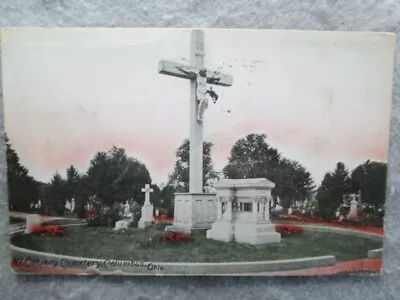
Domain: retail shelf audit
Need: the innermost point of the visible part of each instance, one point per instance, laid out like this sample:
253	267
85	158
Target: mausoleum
243	212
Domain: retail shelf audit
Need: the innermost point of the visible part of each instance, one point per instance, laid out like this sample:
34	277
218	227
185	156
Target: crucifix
199	77
147	190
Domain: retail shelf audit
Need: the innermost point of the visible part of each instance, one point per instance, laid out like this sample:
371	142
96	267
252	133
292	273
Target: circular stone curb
63	262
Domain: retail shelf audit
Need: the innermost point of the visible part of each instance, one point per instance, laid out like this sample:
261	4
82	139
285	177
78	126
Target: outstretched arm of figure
190	73
213	80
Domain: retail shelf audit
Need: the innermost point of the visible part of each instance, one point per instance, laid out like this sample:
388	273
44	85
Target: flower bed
48	230
288	229
356	224
175	237
308	219
90	215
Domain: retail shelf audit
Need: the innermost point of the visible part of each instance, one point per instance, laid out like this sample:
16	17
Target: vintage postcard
196	151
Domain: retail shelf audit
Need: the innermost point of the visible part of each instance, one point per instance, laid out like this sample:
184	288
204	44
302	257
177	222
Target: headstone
32	220
251	224
157	212
73	204
353	208
147	208
121	225
290	211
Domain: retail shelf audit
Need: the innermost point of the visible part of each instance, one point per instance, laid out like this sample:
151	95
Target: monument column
266	208
196	202
219	208
229	209
262	210
196	128
255	208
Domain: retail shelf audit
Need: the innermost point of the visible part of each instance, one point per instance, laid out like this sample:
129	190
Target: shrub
305	219
91	214
49	230
106	220
286	229
175	237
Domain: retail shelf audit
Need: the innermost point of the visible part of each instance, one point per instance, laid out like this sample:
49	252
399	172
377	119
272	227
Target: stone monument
243	212
147	208
127	214
31	221
121	225
73	204
353	213
195	209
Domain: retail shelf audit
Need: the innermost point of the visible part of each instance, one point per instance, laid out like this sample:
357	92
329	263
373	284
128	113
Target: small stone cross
147	190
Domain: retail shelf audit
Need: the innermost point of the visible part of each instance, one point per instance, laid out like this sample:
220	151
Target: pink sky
319	97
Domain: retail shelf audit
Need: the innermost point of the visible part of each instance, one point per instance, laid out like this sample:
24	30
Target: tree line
113	178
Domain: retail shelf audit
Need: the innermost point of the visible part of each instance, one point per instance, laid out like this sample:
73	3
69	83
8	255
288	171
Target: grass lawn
138	244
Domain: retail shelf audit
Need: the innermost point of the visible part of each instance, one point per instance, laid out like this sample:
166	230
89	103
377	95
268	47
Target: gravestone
147	208
121	225
249	223
68	205
73	204
353	208
31	221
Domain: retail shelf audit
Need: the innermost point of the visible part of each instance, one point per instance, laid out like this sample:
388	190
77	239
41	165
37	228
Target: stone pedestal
243	212
255	234
121	225
147	216
31	221
193	211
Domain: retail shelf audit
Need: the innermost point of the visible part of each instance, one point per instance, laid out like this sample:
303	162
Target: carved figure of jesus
201	91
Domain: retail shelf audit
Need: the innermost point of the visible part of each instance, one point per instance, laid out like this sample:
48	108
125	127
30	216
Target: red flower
48	230
175	236
286	229
90	215
304	219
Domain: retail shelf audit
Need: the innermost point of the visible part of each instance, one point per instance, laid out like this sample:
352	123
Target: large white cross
196	128
147	190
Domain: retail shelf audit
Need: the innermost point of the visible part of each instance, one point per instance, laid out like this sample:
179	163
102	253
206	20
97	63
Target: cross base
193	211
147	216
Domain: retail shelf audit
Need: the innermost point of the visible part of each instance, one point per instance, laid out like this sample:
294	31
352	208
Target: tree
82	195
167	199
252	157
332	190
72	182
23	189
369	178
57	194
114	177
179	179
155	196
